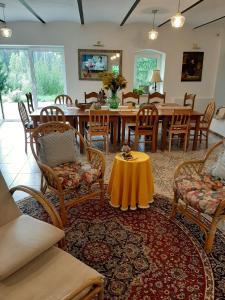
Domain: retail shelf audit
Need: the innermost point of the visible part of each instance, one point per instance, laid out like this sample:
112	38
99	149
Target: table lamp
156	77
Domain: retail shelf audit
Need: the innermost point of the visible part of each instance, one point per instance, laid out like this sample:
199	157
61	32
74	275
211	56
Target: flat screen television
94	63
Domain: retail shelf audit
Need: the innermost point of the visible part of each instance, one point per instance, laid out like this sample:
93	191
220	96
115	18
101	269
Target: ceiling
112	10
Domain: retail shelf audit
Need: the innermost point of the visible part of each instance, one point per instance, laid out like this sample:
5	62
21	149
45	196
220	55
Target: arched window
145	62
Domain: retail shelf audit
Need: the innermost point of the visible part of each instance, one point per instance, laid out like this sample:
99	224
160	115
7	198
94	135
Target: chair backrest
208	114
99	121
147	118
30	105
23	113
134	97
52	113
91	96
161	98
180	119
189	100
8	208
50	127
63	99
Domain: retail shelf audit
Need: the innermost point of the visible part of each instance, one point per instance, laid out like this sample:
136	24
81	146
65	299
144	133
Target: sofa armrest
39	197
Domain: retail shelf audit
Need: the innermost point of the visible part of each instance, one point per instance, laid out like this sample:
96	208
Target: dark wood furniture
146	125
179	126
63	99
30	105
28	125
189	100
161	98
92	95
134	98
52	113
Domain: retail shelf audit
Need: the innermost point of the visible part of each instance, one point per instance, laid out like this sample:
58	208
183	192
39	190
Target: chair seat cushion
203	192
75	174
53	275
23	239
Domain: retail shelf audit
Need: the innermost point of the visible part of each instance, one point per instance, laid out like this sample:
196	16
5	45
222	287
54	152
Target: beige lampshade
156	76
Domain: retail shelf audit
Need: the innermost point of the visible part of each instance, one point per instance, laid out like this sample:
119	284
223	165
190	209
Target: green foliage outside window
144	67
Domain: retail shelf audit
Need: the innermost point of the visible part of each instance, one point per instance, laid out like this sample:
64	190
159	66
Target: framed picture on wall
92	62
192	66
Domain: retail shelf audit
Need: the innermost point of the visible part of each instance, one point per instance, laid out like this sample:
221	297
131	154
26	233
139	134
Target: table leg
115	133
123	120
197	125
81	128
165	122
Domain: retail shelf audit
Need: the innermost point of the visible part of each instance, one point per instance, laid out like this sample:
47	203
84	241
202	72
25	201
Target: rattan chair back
156	97
91	95
189	100
208	114
30	105
133	98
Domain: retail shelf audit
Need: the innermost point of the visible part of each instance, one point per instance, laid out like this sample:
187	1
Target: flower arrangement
113	81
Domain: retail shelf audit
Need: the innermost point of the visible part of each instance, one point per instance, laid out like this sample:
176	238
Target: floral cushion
74	174
203	192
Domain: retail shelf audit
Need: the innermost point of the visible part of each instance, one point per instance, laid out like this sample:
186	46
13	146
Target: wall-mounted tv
94	63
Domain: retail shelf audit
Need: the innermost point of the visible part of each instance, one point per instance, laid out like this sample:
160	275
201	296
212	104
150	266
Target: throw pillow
57	148
218	169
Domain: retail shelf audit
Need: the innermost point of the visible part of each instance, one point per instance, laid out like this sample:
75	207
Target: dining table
119	118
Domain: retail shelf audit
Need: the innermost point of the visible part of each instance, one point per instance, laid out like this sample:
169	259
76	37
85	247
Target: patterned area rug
143	254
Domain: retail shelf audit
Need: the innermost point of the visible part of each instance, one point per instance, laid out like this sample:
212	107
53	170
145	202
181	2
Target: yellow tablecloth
131	182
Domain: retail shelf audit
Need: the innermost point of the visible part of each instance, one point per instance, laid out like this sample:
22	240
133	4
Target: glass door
49	73
15	80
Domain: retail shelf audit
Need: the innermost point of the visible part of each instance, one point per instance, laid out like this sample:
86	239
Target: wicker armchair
64	179
201	193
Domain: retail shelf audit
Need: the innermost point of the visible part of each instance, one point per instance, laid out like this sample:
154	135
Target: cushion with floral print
74	174
205	201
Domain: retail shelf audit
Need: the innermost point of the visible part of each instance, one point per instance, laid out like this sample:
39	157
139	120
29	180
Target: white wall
129	38
220	82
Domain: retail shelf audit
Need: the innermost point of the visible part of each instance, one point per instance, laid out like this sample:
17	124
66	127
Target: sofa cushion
53	275
23	239
57	148
203	192
72	175
205	201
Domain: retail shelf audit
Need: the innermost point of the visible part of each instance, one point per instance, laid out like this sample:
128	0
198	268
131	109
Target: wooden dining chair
156	97
146	125
99	126
52	113
30	105
179	126
205	123
92	95
189	100
63	99
28	125
134	98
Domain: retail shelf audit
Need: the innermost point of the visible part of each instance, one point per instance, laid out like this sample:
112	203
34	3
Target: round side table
131	182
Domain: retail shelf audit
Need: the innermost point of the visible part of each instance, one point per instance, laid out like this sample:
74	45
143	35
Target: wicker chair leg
207	140
63	212
185	142
106	144
170	141
128	137
211	236
174	205
136	141
101	191
101	294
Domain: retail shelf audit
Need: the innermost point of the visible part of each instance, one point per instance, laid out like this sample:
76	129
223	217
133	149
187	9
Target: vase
114	100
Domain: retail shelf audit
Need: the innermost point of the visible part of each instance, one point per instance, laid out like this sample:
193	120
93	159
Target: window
30	69
145	62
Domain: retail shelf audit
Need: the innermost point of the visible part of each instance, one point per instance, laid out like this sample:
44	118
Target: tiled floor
19	168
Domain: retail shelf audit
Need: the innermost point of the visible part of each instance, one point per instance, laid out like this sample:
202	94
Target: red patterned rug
143	254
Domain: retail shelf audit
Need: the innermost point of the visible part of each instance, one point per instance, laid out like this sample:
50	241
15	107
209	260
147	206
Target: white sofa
32	267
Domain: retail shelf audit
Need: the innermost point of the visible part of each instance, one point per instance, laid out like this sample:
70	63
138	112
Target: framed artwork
192	66
92	62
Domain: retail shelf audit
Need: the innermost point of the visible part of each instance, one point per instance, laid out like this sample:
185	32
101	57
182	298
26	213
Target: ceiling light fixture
178	20
153	34
5	31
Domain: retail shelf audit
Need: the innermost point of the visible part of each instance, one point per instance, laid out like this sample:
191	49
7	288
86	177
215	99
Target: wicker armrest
189	168
48	207
97	159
